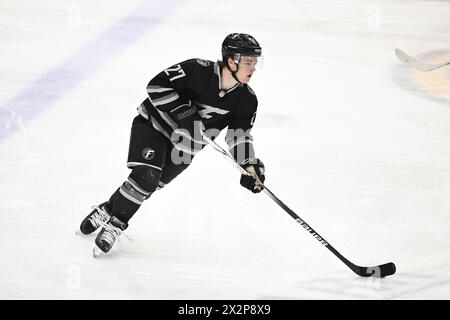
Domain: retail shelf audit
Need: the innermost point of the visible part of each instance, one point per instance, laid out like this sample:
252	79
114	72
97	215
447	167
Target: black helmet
240	44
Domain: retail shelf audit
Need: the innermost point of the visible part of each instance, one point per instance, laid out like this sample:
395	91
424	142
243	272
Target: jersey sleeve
170	90
238	137
170	94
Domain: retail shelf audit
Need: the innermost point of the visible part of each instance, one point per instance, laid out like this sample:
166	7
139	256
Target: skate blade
81	235
96	251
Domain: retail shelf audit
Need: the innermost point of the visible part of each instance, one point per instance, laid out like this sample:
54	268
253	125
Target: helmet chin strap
233	73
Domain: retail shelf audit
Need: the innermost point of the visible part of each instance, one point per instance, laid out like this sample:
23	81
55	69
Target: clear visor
249	61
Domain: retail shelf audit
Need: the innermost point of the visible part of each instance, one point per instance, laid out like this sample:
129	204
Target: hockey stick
417	64
379	271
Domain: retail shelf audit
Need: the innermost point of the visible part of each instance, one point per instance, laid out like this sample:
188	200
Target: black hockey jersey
190	91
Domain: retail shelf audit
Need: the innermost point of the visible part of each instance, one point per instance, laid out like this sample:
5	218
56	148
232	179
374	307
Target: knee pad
141	183
144	179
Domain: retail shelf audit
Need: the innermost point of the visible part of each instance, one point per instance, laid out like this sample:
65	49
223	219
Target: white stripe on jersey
142	111
165	100
207	109
167	119
158	89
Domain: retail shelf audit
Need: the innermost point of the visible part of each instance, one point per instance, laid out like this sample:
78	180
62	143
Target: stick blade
381	271
402	56
96	251
414	63
386	269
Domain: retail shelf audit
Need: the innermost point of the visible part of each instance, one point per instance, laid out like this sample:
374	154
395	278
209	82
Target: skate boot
98	217
109	234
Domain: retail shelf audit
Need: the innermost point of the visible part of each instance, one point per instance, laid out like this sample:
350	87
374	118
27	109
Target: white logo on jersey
203	62
206	111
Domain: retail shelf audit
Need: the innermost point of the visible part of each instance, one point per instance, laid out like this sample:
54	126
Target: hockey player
185	101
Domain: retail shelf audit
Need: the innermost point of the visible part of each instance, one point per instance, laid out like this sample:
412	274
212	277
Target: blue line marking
52	86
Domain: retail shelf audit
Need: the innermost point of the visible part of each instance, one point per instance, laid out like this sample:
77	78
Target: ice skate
94	220
108	235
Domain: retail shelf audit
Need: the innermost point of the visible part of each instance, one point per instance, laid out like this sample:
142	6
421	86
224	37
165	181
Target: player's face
247	65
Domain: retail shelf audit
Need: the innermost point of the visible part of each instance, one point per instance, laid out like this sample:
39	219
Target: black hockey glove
250	182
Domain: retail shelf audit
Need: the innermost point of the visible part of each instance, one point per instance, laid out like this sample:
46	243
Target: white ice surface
354	142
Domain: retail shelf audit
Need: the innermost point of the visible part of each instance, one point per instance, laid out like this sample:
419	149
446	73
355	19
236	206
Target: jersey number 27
176	71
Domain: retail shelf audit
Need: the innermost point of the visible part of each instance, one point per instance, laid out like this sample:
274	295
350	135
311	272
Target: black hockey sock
126	201
139	186
113	198
124	209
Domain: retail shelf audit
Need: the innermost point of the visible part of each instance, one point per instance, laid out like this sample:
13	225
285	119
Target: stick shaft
271	195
